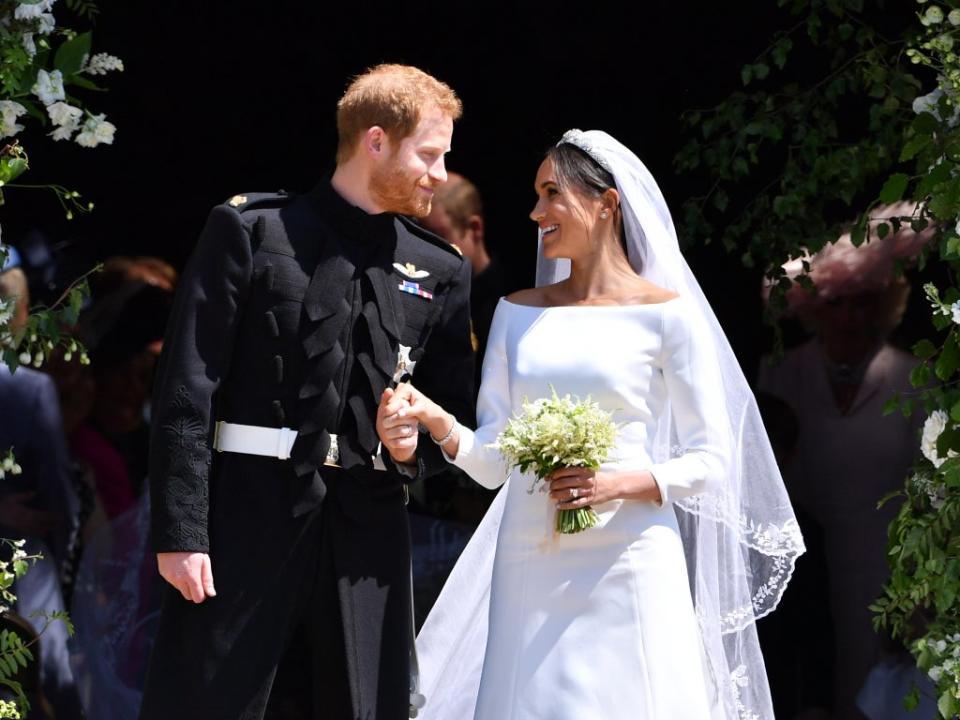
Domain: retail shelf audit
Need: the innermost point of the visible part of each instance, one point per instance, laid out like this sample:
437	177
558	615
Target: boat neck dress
599	624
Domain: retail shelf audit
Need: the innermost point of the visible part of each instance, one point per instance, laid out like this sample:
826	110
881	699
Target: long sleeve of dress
695	393
474	456
196	359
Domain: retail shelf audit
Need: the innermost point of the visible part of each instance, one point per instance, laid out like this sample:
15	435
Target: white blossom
66	118
47	24
928	103
25	358
9	112
933	426
935	491
7	308
935	673
29	45
31	11
940	646
933	16
954	17
955	312
49	87
62	113
96	131
102	63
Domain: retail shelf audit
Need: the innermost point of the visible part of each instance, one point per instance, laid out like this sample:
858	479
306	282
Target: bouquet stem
574	521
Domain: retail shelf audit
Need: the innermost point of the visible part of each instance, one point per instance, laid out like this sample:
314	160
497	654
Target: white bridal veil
741	539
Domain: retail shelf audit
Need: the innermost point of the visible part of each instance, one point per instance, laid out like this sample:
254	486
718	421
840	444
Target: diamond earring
603	215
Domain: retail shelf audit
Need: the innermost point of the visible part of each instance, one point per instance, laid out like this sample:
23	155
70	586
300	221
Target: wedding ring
574	493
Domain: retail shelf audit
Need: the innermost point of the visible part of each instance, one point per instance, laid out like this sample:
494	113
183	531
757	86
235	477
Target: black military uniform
292	313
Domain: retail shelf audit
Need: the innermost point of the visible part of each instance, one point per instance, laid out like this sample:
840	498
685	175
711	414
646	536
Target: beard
397	192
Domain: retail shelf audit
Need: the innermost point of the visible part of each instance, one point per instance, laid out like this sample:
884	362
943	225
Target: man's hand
396	428
189	572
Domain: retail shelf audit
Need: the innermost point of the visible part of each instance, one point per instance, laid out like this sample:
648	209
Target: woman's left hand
575	487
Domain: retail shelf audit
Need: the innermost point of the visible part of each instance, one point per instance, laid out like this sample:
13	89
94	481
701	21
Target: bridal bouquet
557	432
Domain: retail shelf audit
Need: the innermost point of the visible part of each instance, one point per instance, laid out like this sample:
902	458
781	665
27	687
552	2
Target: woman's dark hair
577	170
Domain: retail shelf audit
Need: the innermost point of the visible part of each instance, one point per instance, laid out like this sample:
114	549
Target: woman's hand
572	488
576	487
408	404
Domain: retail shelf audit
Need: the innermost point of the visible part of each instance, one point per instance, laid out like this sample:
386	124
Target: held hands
189	572
396	425
401	411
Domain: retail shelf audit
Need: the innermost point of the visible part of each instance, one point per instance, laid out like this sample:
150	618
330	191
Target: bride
650	614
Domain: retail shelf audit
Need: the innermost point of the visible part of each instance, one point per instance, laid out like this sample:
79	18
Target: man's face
405	178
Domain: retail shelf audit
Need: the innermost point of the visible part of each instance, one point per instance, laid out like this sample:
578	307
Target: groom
274	509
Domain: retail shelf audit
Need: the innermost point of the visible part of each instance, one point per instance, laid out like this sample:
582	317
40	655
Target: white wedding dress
600	624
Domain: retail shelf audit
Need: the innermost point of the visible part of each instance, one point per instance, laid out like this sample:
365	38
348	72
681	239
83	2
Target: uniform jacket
290	314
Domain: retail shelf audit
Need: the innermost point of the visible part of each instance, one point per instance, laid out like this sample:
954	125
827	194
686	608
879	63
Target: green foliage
38	63
788	163
778	161
47	329
40	66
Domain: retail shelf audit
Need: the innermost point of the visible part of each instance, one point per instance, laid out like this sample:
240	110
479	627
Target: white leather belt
265	441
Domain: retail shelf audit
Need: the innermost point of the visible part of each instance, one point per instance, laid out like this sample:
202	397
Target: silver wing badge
410	270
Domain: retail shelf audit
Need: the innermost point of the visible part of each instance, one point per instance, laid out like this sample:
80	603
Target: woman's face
566	217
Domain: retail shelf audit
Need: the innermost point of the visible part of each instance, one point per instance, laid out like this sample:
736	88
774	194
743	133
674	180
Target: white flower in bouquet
558	432
933	426
9	112
29	45
96	130
49	87
102	63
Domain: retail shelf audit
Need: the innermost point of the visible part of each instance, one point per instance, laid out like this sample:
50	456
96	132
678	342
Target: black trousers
343	583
